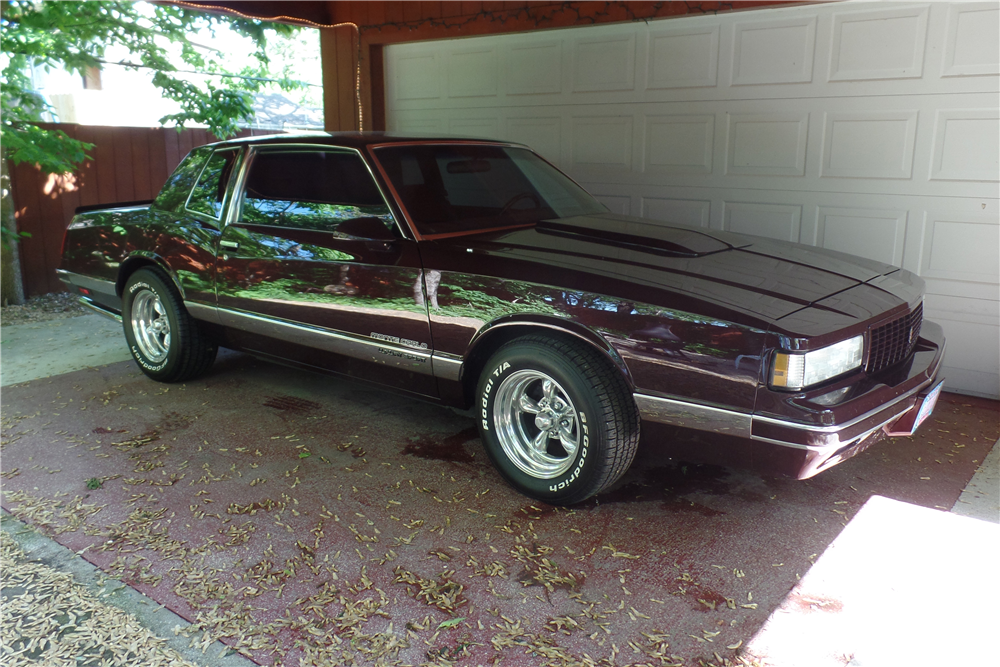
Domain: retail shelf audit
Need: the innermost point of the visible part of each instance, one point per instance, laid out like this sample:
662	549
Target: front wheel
557	419
163	338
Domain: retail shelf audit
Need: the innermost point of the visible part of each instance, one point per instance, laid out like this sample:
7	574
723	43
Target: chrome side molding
447	366
348	345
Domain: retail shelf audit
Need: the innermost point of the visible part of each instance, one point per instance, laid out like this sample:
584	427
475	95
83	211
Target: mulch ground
54	306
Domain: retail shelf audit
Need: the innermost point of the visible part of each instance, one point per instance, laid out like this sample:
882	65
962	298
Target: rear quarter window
178	186
209	194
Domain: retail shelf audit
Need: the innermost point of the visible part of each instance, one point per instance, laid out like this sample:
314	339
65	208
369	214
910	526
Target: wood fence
127	164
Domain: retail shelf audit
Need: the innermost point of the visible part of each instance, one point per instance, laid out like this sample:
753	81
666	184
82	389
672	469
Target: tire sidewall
575	482
140	281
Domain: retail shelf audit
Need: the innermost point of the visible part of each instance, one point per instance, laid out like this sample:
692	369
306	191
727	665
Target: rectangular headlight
798	370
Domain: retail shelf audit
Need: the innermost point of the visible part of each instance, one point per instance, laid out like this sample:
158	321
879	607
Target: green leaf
304	455
75	36
450	623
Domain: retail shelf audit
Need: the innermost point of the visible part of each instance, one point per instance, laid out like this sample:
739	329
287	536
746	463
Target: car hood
766	278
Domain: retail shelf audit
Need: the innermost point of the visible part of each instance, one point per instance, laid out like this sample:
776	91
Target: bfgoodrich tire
557	420
163	338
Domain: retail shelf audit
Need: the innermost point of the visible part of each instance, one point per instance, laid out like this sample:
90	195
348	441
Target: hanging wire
296	20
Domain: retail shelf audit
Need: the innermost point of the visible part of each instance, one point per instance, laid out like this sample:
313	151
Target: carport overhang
354	34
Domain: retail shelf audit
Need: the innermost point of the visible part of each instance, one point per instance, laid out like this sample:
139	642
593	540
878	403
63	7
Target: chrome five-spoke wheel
537	424
151	326
557	418
164	340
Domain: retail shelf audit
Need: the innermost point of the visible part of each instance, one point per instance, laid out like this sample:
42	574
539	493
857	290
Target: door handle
229	244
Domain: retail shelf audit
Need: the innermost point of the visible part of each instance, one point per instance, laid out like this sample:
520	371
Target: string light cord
299	21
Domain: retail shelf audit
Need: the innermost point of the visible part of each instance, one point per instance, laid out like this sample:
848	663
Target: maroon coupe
476	274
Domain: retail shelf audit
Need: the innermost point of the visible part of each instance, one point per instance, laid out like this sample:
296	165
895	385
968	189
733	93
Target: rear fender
140	258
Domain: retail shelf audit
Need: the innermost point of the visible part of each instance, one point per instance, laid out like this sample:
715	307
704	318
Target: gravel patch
54	306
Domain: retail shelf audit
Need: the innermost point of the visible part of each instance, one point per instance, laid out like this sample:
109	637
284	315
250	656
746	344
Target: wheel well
130	266
493	340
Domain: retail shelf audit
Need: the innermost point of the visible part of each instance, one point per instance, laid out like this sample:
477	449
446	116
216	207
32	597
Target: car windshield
467	188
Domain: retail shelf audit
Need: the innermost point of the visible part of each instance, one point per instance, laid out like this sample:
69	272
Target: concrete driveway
303	519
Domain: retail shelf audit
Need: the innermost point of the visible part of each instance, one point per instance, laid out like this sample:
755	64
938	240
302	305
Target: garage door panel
773	51
872	233
964	38
474	127
866	128
601	145
682	57
962	249
604	63
776	221
544	134
966	145
689	212
767	144
972	43
869	144
884	44
861	145
472	72
534	68
679	144
971	359
417	76
419	125
615	203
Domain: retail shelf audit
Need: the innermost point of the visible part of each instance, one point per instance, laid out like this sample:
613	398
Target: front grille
893	342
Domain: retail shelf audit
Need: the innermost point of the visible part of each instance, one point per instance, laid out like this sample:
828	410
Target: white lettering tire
557	420
165	341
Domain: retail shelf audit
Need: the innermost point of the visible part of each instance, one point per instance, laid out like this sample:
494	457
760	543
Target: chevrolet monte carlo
475	274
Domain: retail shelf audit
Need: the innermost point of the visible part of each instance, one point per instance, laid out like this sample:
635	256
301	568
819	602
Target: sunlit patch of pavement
44	349
901	586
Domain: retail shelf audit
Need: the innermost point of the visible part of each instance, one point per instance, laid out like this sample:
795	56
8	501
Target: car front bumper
805	437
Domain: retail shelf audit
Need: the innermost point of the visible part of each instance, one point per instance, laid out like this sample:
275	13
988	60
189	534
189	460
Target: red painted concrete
393	483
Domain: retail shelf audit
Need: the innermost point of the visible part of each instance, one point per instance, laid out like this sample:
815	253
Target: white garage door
873	129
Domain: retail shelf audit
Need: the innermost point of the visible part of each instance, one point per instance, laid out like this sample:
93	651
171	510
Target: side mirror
365	228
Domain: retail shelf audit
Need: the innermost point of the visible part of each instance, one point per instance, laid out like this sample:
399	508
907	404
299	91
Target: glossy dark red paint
689	316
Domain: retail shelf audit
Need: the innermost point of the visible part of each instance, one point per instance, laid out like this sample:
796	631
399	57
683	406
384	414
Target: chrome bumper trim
830	445
676	412
836	428
692	415
96	284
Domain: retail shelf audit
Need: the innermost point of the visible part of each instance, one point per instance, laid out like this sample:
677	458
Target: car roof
354	139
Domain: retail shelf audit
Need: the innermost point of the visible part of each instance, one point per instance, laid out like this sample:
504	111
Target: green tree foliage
76	36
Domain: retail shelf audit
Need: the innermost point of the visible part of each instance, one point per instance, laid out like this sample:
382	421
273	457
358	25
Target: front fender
505	328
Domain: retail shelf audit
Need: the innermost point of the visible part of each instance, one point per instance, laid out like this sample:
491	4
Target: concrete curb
156	618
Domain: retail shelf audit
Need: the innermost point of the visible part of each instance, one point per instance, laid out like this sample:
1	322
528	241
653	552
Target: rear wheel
557	420
163	338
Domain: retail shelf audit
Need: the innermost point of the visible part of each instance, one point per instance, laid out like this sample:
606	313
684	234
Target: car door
313	268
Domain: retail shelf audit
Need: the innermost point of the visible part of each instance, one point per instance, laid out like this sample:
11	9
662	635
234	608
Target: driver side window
310	189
